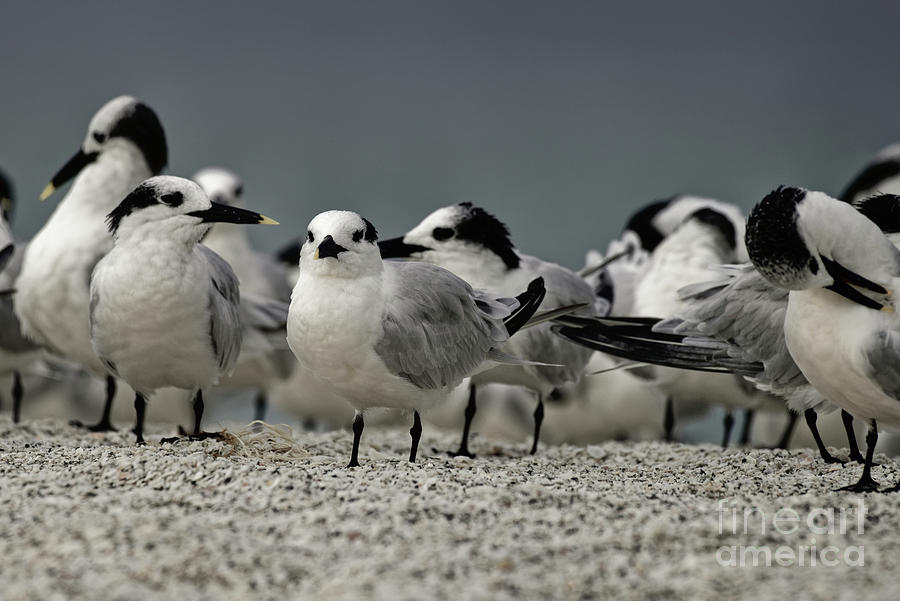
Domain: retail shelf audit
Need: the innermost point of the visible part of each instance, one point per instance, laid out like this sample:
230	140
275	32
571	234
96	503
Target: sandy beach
91	516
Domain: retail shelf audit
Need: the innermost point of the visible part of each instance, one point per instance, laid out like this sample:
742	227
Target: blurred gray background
561	117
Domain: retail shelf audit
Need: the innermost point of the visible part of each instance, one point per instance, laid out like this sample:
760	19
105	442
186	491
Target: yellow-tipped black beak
222	213
73	167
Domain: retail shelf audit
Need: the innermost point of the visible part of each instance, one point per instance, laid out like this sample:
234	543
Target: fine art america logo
831	525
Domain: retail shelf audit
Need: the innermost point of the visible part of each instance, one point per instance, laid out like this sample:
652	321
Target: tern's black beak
73	167
328	248
220	213
845	280
396	248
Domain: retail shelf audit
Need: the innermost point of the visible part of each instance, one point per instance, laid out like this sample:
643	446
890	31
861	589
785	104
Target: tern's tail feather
529	301
636	340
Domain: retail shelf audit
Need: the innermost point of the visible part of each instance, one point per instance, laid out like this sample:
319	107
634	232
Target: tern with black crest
164	309
476	246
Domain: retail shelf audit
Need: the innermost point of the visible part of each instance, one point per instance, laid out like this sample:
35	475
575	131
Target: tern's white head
654	222
340	244
124	120
221	185
799	239
458	231
176	207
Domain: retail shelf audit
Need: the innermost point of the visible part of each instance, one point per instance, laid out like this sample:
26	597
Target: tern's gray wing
275	276
747	312
883	356
540	343
437	329
224	307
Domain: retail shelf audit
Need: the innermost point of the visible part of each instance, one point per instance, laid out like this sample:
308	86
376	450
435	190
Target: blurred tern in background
124	145
265	357
16	351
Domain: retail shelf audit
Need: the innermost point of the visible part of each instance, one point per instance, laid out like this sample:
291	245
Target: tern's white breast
827	337
151	316
333	327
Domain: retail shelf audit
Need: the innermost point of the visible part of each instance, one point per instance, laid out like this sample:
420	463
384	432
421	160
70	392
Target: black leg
17	393
471	407
811	419
198	433
855	455
785	439
866	483
260	405
104	425
669	420
538	420
744	440
728	423
415	433
358	425
198	412
140	408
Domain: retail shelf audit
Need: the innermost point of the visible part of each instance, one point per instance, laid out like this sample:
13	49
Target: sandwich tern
475	245
164	309
392	334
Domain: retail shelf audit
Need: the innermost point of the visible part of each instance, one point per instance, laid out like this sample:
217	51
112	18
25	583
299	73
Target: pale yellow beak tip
316	255
267	221
888	308
47	191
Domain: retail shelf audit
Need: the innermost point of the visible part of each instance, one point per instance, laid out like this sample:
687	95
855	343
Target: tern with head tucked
124	145
265	292
392	334
841	325
164	309
476	246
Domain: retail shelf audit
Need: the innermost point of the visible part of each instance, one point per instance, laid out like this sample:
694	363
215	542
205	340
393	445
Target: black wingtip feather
529	301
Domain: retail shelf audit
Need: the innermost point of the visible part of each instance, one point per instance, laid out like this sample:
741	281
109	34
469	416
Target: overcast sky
561	117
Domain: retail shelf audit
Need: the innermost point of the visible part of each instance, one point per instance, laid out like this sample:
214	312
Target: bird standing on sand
392	334
164	309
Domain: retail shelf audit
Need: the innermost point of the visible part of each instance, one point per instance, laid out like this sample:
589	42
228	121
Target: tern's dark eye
99	137
173	199
442	233
309	236
238	191
357	235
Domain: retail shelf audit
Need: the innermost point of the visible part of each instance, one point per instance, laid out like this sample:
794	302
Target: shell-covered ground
272	514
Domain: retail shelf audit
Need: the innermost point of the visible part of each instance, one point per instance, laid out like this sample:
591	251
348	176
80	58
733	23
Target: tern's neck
473	266
161	233
104	183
